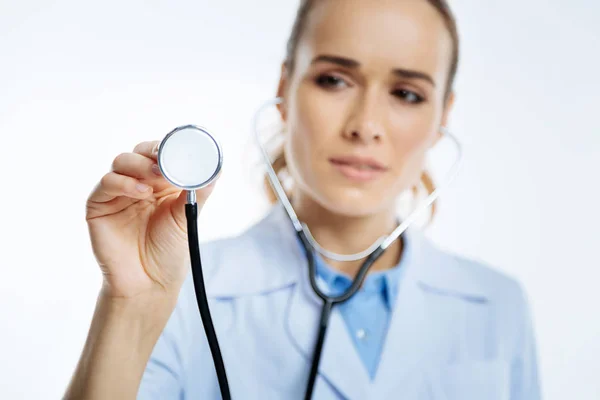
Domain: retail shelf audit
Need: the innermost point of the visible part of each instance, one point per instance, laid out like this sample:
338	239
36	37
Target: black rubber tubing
191	213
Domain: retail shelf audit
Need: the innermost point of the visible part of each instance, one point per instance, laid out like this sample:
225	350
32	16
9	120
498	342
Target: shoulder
503	293
507	305
229	266
260	260
264	257
462	275
489	290
497	285
493	304
476	283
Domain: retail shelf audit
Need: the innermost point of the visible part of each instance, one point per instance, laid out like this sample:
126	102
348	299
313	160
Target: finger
136	166
148	149
113	185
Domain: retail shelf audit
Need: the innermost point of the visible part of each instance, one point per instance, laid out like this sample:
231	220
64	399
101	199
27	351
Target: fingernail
142	187
156	170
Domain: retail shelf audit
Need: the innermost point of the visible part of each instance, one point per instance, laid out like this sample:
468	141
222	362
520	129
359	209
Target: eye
408	96
330	81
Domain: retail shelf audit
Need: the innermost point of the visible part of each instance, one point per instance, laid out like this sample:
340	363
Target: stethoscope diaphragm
189	157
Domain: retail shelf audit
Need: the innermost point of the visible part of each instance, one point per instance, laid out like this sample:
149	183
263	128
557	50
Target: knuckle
140	147
119	160
105	180
147	147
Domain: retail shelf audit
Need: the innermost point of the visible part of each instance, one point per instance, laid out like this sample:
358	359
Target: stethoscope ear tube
191	213
381	243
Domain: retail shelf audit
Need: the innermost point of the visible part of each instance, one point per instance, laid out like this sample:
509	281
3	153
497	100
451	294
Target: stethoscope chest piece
189	157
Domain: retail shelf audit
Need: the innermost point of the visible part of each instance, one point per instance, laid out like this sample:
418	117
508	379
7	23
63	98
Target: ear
282	91
449	103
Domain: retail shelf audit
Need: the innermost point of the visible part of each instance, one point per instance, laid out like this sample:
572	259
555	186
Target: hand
138	227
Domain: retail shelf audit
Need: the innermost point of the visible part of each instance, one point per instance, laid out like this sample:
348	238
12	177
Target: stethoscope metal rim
169	178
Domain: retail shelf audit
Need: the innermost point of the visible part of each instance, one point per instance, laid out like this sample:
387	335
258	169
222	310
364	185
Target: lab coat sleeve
524	371
163	376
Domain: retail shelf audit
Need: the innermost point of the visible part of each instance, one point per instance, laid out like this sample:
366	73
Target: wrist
122	335
149	308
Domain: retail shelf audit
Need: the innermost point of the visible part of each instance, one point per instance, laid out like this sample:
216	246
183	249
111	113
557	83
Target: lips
358	162
362	169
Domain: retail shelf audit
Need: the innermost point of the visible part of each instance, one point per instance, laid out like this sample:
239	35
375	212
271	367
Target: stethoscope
190	158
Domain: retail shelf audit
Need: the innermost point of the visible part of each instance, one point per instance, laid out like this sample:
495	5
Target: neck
348	235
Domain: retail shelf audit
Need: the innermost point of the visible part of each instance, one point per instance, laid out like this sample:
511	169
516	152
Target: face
365	101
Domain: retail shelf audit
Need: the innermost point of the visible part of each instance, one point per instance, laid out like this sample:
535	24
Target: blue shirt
367	313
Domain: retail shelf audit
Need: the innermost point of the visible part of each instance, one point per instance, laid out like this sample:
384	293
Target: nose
364	122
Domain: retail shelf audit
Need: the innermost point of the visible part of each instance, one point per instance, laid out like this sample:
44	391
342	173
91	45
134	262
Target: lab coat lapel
275	247
422	324
415	336
264	258
340	365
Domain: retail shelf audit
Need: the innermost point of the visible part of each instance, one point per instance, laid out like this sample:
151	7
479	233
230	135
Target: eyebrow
353	64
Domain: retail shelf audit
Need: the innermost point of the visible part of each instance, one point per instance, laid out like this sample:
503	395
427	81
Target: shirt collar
383	282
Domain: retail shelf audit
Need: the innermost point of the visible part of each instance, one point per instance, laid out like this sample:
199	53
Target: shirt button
361	334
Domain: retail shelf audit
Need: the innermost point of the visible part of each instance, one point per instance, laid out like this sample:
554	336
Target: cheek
416	128
310	127
412	135
315	113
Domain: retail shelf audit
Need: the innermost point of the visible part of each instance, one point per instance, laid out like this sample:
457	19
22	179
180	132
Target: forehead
379	33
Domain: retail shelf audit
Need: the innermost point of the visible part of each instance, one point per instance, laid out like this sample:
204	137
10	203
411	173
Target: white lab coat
459	330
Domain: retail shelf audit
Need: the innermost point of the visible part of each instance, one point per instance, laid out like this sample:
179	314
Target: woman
366	89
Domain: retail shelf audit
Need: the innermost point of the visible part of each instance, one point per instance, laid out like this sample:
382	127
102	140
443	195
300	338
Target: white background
81	82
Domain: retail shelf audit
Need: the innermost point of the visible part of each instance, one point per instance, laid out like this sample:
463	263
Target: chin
350	201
